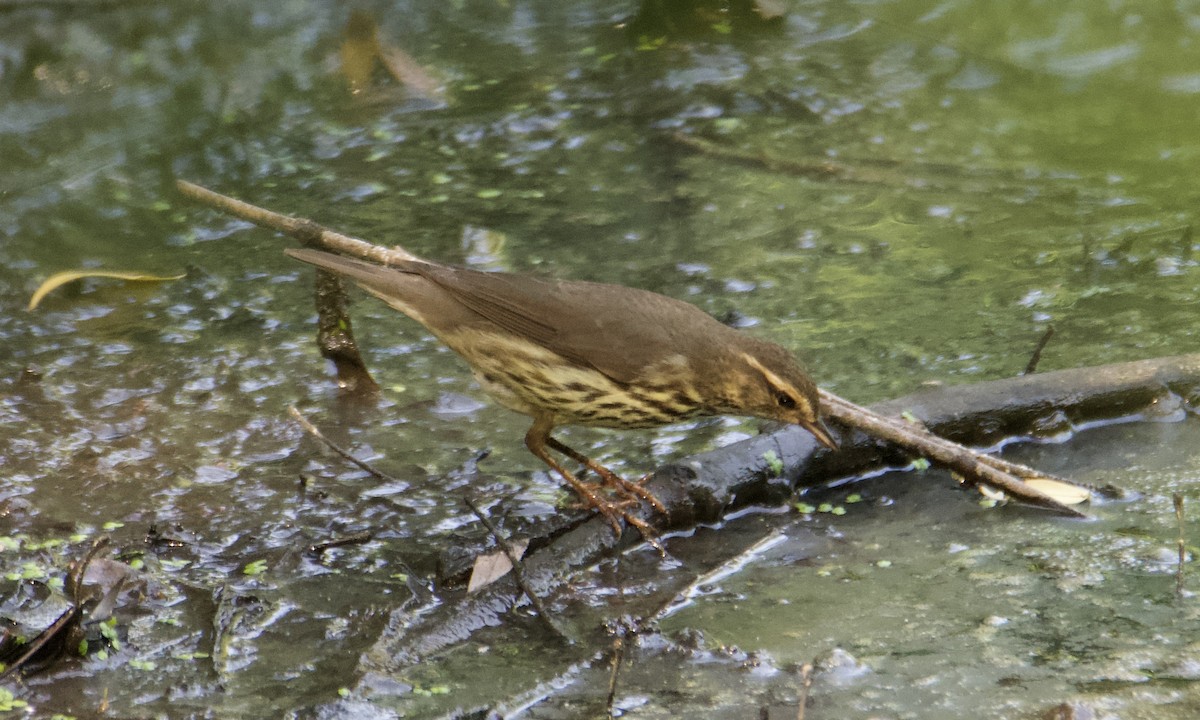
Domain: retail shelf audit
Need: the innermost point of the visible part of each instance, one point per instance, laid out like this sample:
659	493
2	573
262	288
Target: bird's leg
622	485
538	439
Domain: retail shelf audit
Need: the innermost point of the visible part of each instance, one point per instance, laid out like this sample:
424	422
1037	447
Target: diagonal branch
1001	474
303	229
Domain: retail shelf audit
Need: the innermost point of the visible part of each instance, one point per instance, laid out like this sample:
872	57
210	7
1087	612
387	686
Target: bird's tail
377	279
392	283
357	270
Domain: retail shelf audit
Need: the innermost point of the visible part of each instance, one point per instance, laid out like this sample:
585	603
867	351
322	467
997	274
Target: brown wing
616	330
515	303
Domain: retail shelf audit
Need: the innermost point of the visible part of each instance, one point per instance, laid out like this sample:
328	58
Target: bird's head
771	384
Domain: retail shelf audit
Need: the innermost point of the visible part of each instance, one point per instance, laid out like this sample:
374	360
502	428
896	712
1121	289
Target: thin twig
74	583
991	471
304	230
312	430
518	572
860	170
618	658
35	646
354	539
1036	357
1177	499
805	683
820	169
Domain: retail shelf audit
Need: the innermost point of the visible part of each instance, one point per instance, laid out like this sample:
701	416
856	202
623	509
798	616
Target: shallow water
949	608
1007	168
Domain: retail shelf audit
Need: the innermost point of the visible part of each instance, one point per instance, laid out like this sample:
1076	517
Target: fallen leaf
1063	492
493	566
59	279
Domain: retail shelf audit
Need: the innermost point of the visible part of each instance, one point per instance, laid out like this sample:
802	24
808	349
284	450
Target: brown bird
583	353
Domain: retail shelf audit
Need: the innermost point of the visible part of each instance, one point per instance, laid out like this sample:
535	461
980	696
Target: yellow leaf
57	280
1064	492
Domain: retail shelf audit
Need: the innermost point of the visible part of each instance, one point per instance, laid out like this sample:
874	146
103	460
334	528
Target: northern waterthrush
584	353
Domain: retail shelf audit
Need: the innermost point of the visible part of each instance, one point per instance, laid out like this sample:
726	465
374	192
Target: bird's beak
821	433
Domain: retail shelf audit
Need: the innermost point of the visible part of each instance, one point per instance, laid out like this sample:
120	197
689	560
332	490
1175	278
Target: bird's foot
621	506
638	490
633	492
614	497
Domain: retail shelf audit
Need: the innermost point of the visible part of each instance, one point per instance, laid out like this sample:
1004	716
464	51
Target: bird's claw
622	507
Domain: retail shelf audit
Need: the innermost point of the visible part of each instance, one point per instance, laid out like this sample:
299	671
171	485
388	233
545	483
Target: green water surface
999	168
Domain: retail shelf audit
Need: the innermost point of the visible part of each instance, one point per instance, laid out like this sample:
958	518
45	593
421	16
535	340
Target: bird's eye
785	400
